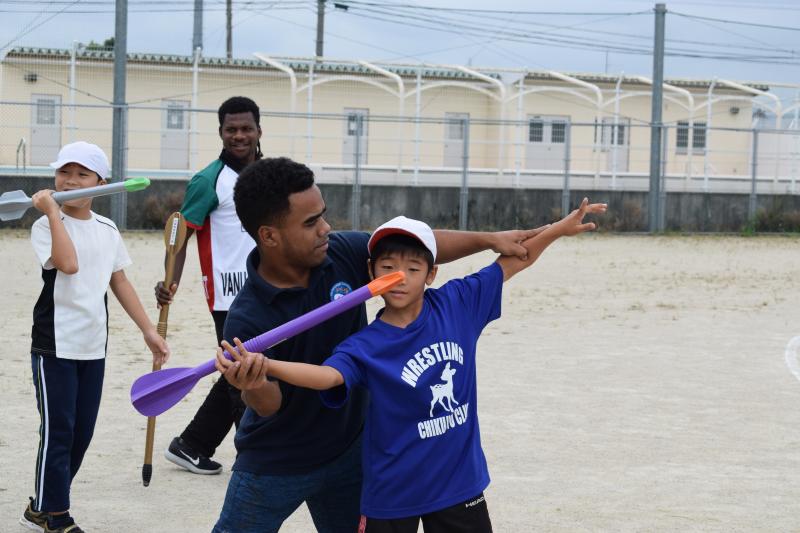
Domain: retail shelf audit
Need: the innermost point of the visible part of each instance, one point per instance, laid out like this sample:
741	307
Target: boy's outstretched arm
248	371
317	377
129	300
62	251
571	224
452	245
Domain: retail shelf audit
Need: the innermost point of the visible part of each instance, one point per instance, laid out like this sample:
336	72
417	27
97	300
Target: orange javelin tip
384	283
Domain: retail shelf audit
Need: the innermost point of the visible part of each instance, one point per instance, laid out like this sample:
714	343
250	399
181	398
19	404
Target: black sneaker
182	455
62	524
35	520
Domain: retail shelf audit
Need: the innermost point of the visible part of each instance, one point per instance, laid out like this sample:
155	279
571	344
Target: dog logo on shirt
340	289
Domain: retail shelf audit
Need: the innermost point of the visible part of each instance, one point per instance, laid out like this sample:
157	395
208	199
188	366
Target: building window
614	134
559	132
455	129
45	112
535	131
620	140
352	125
175	117
682	139
698	137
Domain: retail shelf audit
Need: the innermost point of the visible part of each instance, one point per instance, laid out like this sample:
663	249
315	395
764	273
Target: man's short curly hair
262	191
238	104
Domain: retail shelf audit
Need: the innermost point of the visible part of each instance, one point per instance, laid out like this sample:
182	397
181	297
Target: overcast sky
598	40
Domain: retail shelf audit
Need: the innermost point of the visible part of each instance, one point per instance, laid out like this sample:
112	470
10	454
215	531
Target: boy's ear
431	275
370	266
101	181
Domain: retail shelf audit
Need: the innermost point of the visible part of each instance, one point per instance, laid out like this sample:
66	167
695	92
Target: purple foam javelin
154	393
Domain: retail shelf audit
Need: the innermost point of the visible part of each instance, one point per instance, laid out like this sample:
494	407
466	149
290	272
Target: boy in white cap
422	457
81	254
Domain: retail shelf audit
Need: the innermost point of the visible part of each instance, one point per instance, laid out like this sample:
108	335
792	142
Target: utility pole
229	28
119	135
655	121
197	37
320	26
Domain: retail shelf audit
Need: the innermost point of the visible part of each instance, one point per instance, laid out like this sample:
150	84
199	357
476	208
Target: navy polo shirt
304	434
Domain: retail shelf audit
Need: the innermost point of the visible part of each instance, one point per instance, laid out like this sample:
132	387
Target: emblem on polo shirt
340	289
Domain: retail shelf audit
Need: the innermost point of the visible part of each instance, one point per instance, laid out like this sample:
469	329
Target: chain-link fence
735	166
450	130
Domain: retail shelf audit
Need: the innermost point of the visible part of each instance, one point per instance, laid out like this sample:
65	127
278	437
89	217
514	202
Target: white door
616	144
351	135
454	134
45	128
546	146
175	134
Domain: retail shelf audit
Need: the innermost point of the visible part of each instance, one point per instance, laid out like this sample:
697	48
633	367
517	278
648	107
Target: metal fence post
751	207
565	192
72	81
463	206
356	196
119	143
662	190
309	111
417	110
193	120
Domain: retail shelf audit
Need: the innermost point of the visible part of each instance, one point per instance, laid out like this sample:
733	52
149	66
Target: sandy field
634	383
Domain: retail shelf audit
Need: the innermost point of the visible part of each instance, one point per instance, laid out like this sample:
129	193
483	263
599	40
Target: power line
743	36
726	21
499	11
452	26
26	31
148	2
345	38
459	27
148	10
595	31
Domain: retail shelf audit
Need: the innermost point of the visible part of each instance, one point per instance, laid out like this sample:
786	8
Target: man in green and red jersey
223	246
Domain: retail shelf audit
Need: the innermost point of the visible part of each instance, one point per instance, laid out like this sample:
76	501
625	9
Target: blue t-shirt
304	434
421	446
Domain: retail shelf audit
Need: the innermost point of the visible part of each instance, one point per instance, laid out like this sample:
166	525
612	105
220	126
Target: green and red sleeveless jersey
222	242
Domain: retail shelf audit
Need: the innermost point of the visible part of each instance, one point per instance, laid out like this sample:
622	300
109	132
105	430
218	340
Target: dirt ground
633	383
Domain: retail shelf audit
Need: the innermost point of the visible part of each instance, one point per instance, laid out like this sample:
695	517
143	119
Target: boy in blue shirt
422	457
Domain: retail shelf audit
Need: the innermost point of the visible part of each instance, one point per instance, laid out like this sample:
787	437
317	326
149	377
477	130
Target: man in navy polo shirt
292	449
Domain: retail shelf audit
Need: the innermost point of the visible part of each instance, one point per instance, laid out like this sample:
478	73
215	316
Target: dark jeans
68	398
260	503
222	408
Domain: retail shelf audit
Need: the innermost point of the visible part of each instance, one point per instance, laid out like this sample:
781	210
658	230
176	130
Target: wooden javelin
174	238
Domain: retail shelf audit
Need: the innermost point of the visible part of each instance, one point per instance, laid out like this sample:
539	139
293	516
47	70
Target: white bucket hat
405	226
85	154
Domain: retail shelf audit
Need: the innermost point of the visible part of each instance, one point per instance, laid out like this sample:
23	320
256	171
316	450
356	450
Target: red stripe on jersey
206	261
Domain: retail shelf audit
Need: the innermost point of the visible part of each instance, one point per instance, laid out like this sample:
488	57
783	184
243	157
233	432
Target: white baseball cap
405	226
85	154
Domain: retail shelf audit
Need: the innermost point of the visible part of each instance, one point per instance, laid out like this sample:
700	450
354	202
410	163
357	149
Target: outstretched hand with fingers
509	242
247	371
573	223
